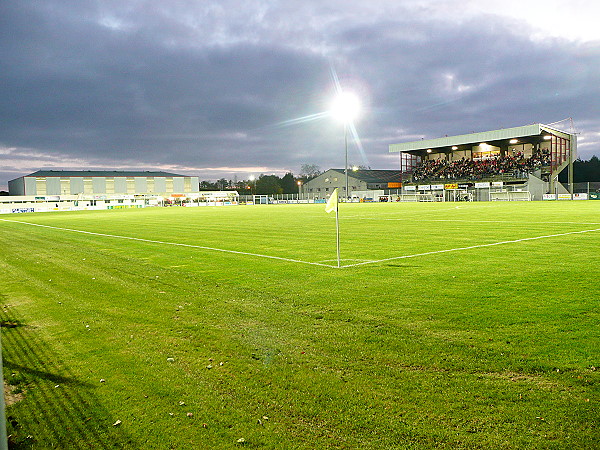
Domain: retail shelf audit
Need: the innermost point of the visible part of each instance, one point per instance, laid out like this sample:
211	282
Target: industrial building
76	182
359	180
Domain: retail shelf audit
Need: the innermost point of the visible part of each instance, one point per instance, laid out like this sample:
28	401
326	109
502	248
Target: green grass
487	347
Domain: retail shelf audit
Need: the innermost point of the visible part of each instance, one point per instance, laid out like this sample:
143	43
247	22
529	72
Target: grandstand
520	163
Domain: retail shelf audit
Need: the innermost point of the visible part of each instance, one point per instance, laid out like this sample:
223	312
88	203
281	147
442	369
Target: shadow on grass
404	266
58	411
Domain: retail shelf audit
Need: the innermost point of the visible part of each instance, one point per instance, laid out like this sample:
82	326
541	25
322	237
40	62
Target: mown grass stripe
178	244
471	247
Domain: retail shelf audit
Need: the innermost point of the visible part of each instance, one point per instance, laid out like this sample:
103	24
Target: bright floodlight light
345	107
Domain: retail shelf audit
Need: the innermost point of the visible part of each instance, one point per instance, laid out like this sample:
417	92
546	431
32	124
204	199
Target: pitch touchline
171	243
470	247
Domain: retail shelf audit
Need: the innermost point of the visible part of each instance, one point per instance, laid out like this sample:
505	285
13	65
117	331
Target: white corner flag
332	205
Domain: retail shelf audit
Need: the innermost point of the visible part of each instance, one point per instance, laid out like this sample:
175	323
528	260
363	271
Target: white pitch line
279	258
305	262
470	247
478	221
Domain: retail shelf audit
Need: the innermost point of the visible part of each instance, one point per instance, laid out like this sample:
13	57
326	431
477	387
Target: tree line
265	184
583	171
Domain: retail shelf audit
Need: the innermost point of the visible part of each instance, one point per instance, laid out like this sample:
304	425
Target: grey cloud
203	84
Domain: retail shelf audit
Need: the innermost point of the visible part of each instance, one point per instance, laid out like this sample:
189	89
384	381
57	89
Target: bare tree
310	171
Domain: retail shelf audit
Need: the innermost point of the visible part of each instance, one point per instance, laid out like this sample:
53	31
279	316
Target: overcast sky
214	88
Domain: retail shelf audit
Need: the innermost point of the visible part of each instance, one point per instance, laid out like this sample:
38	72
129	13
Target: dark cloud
202	86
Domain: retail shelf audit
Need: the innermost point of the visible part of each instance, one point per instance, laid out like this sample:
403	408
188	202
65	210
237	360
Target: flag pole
337	231
333	204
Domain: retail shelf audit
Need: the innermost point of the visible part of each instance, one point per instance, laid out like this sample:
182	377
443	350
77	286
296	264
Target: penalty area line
177	244
470	247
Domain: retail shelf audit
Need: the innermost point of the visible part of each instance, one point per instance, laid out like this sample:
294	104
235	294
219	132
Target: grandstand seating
516	166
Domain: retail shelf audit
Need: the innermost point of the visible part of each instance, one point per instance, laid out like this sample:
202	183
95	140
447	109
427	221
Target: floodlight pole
346	147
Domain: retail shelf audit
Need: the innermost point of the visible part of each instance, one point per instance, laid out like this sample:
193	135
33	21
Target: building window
88	187
40	186
187	184
149	184
65	186
130	185
169	185
110	185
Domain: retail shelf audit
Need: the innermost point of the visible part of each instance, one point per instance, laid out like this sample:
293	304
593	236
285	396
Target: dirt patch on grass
517	377
10	397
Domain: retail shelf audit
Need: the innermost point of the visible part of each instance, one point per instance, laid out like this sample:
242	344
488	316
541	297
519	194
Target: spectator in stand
473	170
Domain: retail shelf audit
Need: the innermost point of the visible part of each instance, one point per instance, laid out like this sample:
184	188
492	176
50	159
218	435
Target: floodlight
513	141
547	137
345	107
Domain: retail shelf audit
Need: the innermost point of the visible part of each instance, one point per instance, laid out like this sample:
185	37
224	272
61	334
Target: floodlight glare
345	107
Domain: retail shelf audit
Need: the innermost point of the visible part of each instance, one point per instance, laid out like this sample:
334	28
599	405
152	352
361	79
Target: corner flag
332	203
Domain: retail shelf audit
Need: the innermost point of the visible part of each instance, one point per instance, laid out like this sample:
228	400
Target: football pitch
469	325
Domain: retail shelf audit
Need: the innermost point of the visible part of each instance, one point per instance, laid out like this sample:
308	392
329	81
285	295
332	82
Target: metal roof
476	138
373	176
99	173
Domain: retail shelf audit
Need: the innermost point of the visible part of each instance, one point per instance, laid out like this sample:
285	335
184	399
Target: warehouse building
76	182
359	182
